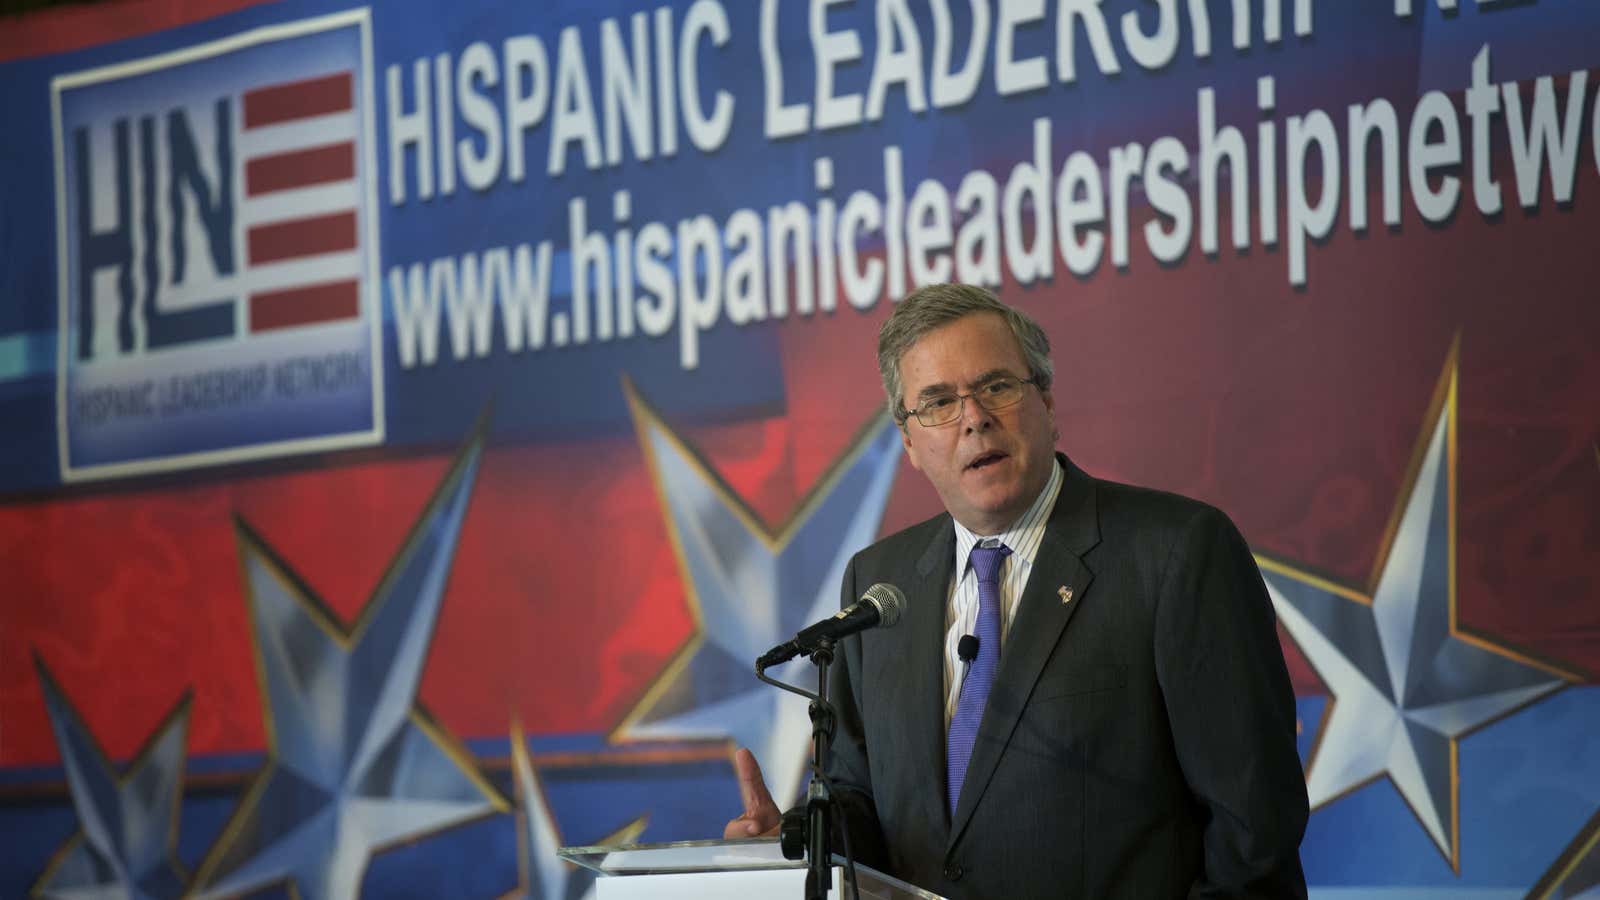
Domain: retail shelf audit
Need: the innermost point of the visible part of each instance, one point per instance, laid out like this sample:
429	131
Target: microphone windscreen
889	601
967	647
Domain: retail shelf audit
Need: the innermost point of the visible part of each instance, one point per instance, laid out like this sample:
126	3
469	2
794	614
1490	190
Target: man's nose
973	416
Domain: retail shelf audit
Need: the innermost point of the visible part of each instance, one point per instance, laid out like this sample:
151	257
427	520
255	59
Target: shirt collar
1024	535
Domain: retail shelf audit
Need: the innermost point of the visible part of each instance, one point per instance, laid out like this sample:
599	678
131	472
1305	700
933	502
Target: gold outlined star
355	765
749	586
1407	680
539	835
154	778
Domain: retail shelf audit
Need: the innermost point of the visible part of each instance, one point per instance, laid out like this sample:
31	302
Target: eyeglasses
942	409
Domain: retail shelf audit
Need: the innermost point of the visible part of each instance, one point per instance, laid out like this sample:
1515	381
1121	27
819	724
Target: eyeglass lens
942	408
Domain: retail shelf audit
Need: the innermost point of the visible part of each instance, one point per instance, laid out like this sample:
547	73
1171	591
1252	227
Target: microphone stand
815	831
819	802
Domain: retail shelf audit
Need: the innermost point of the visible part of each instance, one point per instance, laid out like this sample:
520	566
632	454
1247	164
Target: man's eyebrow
989	376
944	387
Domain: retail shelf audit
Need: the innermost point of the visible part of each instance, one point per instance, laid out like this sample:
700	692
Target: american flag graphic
298	153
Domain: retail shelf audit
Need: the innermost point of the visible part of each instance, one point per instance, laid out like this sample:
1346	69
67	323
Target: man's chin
997	509
995	483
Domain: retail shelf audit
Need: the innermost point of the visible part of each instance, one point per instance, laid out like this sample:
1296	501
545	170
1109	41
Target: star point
128	822
355	764
749	586
1407	682
544	875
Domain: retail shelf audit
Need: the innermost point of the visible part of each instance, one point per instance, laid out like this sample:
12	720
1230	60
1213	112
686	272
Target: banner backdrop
418	417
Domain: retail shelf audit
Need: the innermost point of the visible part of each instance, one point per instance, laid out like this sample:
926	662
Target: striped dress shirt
961	607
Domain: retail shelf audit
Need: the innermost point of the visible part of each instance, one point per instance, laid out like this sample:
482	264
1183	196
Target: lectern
720	870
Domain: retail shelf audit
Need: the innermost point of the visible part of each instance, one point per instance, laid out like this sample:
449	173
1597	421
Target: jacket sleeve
1231	709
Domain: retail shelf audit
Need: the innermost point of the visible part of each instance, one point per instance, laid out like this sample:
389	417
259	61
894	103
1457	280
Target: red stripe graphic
299	168
299	306
297	100
302	237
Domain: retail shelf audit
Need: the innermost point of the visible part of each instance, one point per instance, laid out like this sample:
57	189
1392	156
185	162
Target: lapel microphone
967	648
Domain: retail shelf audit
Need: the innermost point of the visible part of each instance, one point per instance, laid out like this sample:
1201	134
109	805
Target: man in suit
1085	695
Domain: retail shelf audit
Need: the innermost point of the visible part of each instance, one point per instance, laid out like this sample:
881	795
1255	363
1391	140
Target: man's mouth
985	460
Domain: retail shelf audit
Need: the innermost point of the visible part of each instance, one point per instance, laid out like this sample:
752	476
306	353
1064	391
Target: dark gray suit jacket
1139	739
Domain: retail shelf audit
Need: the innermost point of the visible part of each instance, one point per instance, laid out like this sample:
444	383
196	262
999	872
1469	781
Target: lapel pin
1066	593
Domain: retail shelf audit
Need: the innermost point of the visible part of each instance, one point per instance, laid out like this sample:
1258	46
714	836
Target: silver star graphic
545	876
354	765
748	588
1407	682
128	824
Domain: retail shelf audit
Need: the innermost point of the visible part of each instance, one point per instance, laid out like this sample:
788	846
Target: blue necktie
980	672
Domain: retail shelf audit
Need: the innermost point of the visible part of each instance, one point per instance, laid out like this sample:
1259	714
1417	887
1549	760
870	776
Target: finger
752	787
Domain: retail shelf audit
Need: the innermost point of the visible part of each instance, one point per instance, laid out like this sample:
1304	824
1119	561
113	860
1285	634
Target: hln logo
217	220
217	240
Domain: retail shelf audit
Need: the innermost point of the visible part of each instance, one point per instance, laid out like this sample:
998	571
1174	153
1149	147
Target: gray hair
937	305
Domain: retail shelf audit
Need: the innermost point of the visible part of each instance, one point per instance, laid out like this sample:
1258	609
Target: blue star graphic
545	876
1407	682
128	824
354	765
748	588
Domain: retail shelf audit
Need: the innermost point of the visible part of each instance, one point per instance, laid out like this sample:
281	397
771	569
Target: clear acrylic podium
720	870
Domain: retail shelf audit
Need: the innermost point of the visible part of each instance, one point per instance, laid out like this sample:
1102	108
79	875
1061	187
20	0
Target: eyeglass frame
905	415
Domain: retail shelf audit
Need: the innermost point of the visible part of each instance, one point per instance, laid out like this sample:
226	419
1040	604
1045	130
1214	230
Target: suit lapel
1042	617
924	674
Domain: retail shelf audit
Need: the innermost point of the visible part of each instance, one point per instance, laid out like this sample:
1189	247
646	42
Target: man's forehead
968	351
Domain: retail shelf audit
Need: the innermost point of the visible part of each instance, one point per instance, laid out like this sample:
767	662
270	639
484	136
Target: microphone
879	607
967	648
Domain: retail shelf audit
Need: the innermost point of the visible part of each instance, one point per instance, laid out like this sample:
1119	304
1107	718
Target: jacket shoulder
1129	510
904	546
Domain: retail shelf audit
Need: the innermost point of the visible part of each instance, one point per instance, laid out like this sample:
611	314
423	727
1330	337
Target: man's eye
996	387
933	403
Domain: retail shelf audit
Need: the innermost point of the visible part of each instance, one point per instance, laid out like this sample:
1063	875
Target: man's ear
905	441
